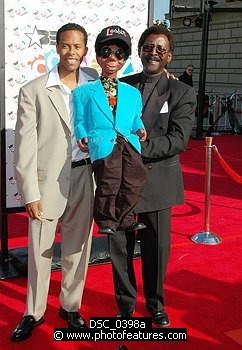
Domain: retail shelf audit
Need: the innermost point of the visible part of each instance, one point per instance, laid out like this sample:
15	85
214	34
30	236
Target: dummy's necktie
110	87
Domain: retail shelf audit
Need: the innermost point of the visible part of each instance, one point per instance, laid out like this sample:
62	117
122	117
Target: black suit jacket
185	78
168	118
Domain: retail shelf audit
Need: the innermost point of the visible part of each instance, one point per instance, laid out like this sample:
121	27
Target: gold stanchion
207	237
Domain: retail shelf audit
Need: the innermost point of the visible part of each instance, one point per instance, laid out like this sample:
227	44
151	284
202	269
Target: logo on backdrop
41	37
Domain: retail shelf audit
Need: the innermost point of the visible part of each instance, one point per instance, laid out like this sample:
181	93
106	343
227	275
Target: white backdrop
29	35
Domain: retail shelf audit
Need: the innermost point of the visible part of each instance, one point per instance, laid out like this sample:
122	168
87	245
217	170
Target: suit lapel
101	100
151	110
121	106
57	100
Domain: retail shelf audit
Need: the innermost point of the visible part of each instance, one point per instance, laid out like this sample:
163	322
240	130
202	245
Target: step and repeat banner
29	32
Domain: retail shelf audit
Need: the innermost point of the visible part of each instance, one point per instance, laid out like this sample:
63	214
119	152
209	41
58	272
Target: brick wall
224	57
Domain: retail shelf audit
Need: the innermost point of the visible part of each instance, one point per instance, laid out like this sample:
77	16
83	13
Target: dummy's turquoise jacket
94	119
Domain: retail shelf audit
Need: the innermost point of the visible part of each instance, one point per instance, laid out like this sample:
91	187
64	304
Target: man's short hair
71	26
156	29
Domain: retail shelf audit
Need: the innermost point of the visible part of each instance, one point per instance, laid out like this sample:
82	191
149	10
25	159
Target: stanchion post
209	141
207	237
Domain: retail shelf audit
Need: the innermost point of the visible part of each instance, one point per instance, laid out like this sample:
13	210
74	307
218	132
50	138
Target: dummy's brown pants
120	179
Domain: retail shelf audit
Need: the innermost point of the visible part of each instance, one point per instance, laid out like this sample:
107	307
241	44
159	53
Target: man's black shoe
136	226
125	314
159	317
24	328
73	319
106	230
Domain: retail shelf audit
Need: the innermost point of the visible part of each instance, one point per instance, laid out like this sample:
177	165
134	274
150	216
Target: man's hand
142	134
83	144
169	75
35	210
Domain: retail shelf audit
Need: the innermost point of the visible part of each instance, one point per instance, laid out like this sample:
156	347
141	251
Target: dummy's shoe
159	317
136	226
125	314
74	319
122	347
24	328
106	230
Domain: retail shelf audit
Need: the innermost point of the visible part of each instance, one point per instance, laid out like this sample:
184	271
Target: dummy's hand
35	210
83	144
142	134
169	75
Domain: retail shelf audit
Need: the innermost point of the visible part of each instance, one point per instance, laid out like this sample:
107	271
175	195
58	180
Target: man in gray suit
168	114
56	181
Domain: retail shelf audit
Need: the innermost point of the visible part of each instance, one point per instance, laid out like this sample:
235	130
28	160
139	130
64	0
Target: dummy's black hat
113	33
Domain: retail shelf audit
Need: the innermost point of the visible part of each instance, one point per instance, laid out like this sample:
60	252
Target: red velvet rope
227	168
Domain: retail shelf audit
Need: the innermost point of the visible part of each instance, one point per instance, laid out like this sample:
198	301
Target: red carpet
204	282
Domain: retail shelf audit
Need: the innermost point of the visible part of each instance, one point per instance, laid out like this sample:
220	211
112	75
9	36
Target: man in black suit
168	115
186	76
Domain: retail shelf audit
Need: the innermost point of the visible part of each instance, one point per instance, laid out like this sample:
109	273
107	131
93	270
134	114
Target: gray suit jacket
168	118
43	150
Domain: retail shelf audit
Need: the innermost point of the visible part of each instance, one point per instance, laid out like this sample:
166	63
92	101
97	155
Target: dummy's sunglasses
148	48
105	52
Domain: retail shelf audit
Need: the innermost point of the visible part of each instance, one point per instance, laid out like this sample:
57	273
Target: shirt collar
54	78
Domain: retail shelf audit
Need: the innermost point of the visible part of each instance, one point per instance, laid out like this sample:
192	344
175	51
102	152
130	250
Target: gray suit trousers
76	225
